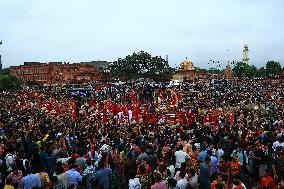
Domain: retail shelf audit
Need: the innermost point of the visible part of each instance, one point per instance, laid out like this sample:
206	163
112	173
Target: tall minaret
246	55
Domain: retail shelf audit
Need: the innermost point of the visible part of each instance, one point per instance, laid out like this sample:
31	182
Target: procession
201	134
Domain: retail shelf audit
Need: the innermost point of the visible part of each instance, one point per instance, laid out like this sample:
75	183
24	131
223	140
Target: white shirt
130	114
243	186
172	170
182	183
193	181
276	144
9	161
180	157
161	121
134	183
63	160
120	114
178	178
278	122
219	153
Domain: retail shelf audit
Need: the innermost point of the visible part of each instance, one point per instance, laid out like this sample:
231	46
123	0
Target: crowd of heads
203	134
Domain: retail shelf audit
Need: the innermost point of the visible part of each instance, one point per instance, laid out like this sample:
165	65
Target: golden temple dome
186	65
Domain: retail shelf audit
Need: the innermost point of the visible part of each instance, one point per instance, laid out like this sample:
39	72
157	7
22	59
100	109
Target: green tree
5	72
214	71
250	71
273	68
8	82
241	70
201	70
141	65
261	72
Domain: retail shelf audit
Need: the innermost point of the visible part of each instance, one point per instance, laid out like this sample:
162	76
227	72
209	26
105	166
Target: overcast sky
85	30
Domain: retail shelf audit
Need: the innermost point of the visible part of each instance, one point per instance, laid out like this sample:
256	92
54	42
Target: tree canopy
8	82
272	69
243	70
141	65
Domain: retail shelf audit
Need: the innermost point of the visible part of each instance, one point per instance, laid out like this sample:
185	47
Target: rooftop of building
186	65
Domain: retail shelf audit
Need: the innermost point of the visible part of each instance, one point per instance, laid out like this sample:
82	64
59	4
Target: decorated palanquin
166	101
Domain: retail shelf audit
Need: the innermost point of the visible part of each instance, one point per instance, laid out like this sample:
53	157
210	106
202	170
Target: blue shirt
242	156
201	156
42	159
204	176
30	181
214	163
102	178
73	177
50	163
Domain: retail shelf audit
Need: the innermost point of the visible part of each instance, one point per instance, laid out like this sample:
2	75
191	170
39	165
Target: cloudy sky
85	30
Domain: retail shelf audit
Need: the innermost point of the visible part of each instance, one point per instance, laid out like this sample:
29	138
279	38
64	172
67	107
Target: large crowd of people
205	134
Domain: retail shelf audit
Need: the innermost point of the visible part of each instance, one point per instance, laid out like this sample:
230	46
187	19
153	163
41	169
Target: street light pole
0	60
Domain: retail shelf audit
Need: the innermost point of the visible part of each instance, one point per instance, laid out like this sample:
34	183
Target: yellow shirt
8	187
44	178
46	136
